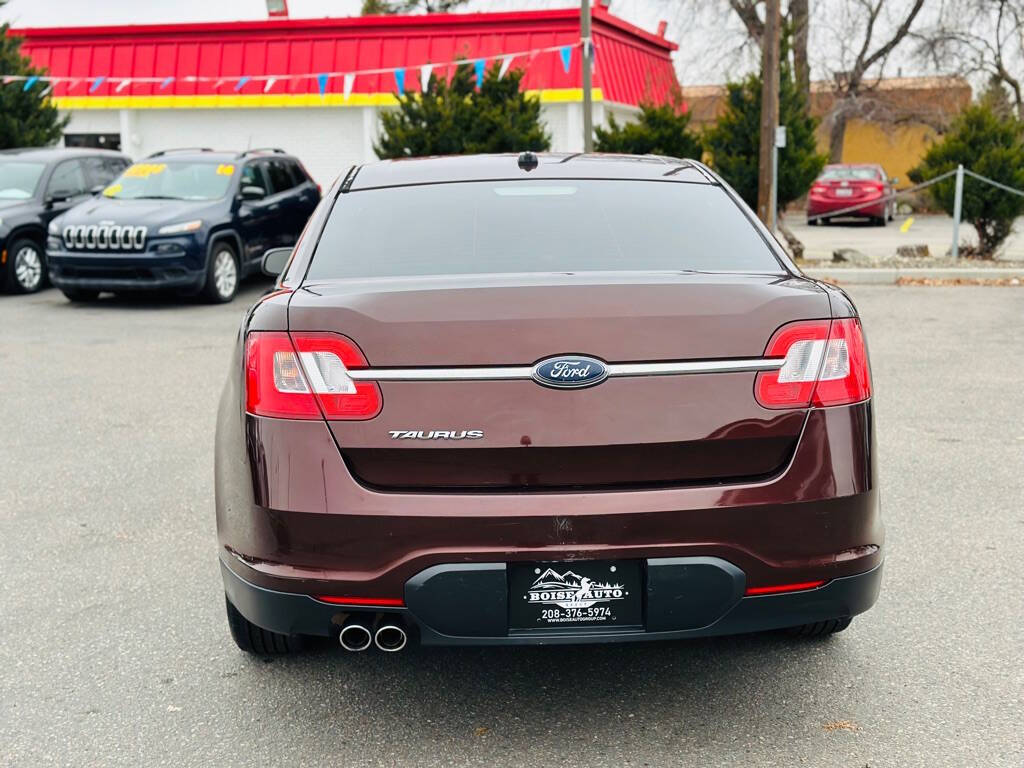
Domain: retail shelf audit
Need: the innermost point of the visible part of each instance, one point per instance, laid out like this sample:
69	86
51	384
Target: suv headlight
53	228
179	229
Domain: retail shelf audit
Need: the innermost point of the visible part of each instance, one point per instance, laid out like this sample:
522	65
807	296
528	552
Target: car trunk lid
627	431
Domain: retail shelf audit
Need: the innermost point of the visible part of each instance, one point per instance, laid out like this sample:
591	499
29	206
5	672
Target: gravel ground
114	648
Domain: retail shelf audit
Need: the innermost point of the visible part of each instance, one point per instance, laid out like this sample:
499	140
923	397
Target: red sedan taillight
305	376
825	362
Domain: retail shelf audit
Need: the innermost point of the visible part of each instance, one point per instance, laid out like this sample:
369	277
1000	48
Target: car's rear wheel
821	628
222	274
78	294
26	266
253	639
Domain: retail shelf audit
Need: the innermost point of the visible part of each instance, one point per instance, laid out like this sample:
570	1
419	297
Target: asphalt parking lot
114	647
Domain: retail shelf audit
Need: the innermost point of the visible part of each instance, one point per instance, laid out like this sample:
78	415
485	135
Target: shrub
659	130
989	144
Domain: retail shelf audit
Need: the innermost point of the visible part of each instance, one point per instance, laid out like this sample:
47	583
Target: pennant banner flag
45	91
506	62
566	53
269	81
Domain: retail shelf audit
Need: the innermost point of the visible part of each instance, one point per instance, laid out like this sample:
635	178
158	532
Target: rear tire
252	639
821	628
26	266
77	294
222	274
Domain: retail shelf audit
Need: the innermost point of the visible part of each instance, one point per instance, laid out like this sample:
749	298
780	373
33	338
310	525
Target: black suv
192	220
37	185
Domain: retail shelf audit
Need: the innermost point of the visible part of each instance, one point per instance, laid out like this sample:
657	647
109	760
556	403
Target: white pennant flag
270	84
506	62
346	86
46	90
425	76
8	79
122	85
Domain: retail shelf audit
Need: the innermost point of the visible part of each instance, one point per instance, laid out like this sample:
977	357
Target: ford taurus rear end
503	401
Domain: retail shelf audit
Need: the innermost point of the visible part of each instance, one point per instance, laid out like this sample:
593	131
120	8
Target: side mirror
97	189
275	260
253	193
57	197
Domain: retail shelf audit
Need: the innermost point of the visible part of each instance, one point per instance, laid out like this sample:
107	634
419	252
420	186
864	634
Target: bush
26	120
457	118
989	144
735	140
659	130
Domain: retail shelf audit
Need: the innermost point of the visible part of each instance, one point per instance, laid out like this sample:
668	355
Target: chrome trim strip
526	372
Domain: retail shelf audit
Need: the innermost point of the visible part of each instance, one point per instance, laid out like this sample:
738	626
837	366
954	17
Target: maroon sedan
536	400
866	188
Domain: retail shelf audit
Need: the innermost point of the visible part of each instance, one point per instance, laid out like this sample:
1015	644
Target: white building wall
327	140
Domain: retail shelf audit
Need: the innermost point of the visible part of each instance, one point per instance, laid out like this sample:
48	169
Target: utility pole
769	110
587	61
958	207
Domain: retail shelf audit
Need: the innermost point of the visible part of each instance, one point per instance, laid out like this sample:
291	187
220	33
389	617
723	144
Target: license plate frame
587	595
844	192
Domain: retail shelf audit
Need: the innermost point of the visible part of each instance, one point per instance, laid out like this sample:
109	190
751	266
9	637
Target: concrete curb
889	275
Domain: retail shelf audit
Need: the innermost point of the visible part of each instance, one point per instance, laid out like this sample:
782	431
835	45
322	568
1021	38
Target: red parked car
539	400
842	186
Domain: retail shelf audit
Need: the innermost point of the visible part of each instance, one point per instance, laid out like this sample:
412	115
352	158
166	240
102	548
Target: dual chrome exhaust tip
358	633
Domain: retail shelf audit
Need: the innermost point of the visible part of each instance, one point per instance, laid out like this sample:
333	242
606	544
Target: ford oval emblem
570	372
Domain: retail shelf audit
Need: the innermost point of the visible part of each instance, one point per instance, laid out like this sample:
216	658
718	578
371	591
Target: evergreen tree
26	120
735	139
988	143
458	118
659	130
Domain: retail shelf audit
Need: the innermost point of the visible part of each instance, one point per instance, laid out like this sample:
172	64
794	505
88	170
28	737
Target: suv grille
104	237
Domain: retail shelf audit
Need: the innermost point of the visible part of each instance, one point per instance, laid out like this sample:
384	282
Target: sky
707	31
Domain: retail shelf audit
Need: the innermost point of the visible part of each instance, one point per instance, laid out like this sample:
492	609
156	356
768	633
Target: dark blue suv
194	221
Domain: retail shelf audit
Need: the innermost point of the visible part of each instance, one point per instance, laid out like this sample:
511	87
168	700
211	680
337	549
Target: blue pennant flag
30	82
566	53
241	83
167	81
479	66
400	80
96	83
321	81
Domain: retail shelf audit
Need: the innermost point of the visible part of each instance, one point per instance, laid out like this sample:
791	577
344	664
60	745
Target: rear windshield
868	174
172	180
538	226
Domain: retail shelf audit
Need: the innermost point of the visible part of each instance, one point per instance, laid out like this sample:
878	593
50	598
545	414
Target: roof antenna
528	161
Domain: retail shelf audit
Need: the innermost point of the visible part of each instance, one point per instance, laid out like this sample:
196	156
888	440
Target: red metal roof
632	65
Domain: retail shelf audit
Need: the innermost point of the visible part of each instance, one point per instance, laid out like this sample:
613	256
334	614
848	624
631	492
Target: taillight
305	375
818	190
825	363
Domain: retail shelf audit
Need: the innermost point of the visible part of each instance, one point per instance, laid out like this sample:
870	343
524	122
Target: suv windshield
173	180
568	225
18	179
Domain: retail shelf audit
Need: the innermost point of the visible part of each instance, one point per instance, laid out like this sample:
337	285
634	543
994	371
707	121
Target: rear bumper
872	208
466	604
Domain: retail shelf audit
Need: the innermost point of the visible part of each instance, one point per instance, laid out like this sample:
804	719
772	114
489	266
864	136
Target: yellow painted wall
897	147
